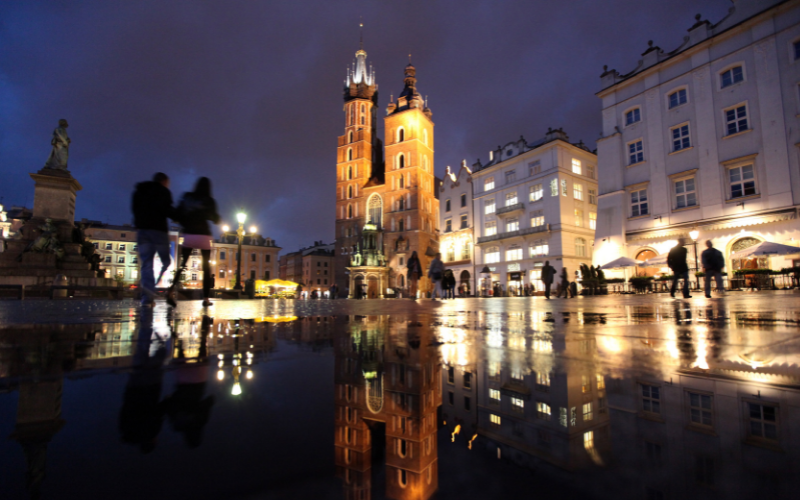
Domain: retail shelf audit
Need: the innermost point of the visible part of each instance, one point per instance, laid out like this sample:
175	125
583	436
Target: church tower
412	206
357	163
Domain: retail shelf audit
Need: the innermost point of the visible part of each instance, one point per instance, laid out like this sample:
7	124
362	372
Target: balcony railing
511	234
516	207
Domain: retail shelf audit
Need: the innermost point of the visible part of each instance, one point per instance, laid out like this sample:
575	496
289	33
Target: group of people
152	206
713	263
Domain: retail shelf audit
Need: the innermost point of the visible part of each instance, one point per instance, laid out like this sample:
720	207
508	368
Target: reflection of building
313	267
398	198
534	202
704	137
259	260
386	381
455	222
119	255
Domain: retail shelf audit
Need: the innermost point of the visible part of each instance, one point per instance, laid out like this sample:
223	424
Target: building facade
259	261
533	202
704	138
455	223
398	196
313	267
119	254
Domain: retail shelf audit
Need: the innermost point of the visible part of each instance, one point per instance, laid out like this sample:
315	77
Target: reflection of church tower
357	160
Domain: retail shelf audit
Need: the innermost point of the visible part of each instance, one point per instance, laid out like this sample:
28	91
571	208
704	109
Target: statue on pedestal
60	152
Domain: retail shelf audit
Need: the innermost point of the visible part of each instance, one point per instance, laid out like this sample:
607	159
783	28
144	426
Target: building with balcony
313	267
455	223
534	202
259	260
119	255
705	137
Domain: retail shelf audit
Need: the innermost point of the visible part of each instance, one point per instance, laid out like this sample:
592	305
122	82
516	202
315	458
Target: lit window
121	272
553	187
492	255
578	217
580	247
494	419
563	187
635	152
514	253
577	191
685	195
588	440
700	411
134	274
733	75
542	411
736	119
511	176
543	379
601	382
651	399
534	167
633	116
592	220
537	219
511	199
402	477
680	138
587	412
488	207
742	181
464	221
639	203
536	192
562	417
593	196
494	395
349	154
109	246
517	405
763	421
576	167
539	249
677	98
488	184
491	228
512	225
122	246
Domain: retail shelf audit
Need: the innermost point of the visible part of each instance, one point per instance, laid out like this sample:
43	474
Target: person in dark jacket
676	260
449	283
151	206
713	263
195	210
564	285
436	275
414	273
548	275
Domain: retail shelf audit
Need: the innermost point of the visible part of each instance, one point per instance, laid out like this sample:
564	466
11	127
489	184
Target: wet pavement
624	397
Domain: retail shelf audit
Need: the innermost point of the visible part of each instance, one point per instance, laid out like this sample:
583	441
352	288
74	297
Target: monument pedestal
54	195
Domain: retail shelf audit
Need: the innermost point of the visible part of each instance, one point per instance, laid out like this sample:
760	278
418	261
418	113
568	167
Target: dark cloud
249	92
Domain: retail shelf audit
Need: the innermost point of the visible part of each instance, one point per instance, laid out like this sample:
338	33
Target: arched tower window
375	210
401	134
352	114
425	163
401	161
402	182
363	114
349	154
349	211
425	136
350	137
349	172
350	191
401	225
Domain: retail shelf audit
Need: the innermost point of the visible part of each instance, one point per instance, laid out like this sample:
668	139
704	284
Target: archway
644	270
464	282
375	210
373	287
760	262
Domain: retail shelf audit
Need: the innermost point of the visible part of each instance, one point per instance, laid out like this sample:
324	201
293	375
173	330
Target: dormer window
633	116
509	152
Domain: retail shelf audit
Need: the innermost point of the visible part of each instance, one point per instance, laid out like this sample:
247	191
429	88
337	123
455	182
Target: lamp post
694	233
240	217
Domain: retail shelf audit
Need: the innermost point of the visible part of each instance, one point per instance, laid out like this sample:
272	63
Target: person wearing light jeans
713	263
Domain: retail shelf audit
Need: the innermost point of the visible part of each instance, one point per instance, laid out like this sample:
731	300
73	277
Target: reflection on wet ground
469	399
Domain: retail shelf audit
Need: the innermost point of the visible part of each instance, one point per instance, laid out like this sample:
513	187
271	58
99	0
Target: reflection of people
676	260
548	275
59	155
414	273
713	263
436	275
142	413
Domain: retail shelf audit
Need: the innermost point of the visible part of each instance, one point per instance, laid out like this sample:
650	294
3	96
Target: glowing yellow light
225	228
236	389
456	431
220	375
469	445
249	374
241	217
253	229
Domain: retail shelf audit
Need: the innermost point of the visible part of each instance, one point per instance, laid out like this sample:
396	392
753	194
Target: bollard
60	280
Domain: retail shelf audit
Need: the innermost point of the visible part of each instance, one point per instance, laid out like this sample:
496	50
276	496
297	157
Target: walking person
676	260
414	274
713	263
195	211
151	206
436	275
449	283
548	275
564	285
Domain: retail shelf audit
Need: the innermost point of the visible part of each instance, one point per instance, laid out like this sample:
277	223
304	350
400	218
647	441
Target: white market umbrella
657	261
620	263
765	248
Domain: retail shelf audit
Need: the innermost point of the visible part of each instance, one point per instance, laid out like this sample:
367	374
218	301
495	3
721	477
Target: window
451	397
736	119
134	260
512	225
553	187
467	380
511	199
108	258
109	246
349	172
635	152
733	75
639	203
586	383
494	419
577	191
349	154
401	134
536	192
685	195
488	184
593	197
267	260
463	200
534	167
96	245
590	171
517	405
252	257
543	379
514	253
467	403
578	217
677	98
633	116
492	255
464	221
704	470
120	260
253	276
222	255
194	276
266	276
742	181
402	477
587	412
537	219
539	249
592	220
135	248
488	207
122	246
221	273
700	412
796	50
542	411
763	421
134	274
576	167
680	138
580	247
401	161
447	205
494	395
511	176
491	228
448	225
563	187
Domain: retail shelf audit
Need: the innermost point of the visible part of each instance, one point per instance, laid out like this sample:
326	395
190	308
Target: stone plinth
54	195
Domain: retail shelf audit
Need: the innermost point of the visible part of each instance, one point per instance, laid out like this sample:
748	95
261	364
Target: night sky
249	93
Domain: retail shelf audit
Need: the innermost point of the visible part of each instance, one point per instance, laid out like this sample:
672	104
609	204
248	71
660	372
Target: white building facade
455	223
705	138
533	203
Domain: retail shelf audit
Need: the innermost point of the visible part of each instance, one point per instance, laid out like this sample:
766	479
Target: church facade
386	197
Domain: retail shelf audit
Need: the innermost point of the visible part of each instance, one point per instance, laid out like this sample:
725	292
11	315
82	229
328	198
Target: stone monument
48	244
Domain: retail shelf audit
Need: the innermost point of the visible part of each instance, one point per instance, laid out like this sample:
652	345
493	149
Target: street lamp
240	217
694	233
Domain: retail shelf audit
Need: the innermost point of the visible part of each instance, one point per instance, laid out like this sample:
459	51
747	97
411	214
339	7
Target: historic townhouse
532	203
119	255
259	261
455	223
704	138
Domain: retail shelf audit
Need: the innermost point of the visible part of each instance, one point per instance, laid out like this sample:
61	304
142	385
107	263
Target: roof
515	148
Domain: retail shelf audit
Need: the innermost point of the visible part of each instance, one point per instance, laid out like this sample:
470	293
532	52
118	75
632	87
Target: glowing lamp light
225	228
241	217
694	233
249	374
220	375
237	389
253	229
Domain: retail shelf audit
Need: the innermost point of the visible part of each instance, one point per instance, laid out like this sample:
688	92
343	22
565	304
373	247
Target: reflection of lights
219	356
220	375
702	348
225	228
455	431
469	445
609	343
221	364
249	375
237	389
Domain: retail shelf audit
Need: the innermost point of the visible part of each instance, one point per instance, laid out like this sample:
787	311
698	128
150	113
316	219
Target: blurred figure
436	275
564	285
676	260
548	275
195	211
713	264
449	283
414	274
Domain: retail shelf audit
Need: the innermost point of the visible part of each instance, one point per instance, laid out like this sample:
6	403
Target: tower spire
361	26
